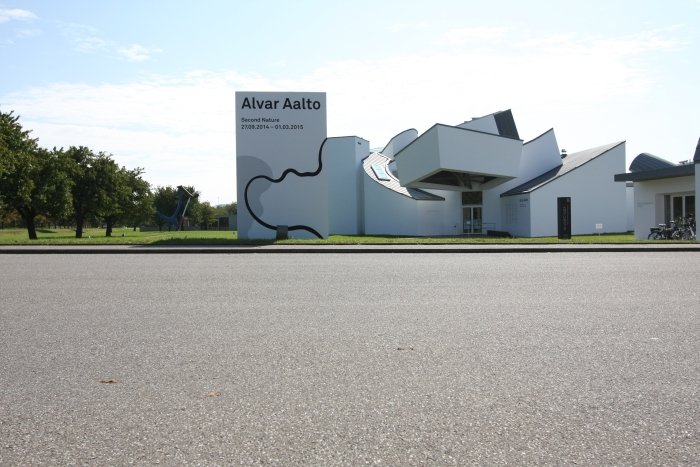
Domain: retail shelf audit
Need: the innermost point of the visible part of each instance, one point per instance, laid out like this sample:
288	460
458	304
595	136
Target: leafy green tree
95	186
193	206
226	209
165	201
8	217
114	194
33	181
139	207
125	197
203	214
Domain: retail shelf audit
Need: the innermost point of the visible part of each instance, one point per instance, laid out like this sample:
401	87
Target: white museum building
475	178
663	191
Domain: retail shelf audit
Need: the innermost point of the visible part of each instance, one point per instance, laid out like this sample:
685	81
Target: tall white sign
279	162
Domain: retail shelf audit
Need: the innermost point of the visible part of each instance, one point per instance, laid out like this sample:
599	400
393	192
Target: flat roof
683	170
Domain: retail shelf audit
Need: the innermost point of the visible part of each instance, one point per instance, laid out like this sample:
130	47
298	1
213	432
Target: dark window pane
472	197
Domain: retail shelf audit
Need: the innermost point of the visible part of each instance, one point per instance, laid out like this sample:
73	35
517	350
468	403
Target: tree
33	181
231	208
203	214
8	216
139	207
165	202
114	195
125	197
96	185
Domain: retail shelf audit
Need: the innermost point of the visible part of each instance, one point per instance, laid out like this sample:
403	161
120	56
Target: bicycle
662	232
686	229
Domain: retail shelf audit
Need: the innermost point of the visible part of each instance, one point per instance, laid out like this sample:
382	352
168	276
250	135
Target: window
380	172
472	198
682	207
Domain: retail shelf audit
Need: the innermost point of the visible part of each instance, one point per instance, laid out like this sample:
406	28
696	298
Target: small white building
663	191
475	178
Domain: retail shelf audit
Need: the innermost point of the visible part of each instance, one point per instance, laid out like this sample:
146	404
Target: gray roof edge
656	174
386	160
495	135
540	136
696	159
437	125
518	191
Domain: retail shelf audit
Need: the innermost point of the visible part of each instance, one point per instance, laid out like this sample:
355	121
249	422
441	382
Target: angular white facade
447	157
476	178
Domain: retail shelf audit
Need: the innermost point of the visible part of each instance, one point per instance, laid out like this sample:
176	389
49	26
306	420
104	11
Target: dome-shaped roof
646	161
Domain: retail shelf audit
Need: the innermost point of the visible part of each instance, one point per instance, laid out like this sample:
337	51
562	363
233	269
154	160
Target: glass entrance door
472	219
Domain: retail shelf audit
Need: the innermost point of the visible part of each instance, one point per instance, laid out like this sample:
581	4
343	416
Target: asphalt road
326	359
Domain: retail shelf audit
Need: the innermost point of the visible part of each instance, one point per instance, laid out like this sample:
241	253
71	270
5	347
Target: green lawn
211	237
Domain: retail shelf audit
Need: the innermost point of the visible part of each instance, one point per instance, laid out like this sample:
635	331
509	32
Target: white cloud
137	52
403	27
181	129
463	36
84	38
24	33
7	15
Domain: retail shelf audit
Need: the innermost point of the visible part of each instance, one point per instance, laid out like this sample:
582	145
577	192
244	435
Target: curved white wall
398	142
387	212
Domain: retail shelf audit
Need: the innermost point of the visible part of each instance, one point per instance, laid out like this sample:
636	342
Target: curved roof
646	167
646	161
398	142
392	183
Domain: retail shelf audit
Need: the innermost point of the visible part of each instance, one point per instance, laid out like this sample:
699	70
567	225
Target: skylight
380	172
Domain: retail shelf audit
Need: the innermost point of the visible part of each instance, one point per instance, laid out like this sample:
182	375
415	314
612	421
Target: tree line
78	187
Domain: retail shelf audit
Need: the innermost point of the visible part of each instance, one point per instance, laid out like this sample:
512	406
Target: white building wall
451	211
387	212
649	201
515	215
595	198
492	210
343	166
539	155
431	221
629	199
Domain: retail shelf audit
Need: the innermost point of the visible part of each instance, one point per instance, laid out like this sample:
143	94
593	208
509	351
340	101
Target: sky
153	82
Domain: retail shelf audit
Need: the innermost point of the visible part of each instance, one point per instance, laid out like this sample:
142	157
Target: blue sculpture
178	217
